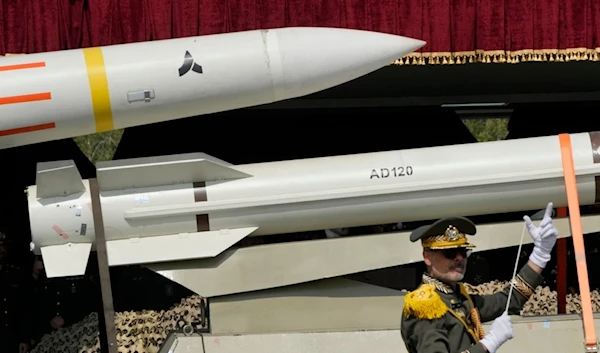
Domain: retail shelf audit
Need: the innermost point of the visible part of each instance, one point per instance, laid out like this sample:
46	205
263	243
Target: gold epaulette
424	303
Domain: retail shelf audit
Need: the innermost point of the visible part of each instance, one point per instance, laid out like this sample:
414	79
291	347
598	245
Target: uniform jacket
440	319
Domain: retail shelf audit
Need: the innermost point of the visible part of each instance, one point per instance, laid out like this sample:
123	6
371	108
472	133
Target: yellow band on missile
94	62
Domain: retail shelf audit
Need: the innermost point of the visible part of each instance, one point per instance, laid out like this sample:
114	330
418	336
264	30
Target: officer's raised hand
500	332
544	237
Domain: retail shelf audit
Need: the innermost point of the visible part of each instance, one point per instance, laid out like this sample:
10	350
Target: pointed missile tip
418	44
391	44
408	43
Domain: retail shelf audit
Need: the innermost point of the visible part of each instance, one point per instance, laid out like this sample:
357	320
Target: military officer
440	316
14	318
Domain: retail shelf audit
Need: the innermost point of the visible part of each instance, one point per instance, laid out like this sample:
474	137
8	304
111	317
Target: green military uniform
440	319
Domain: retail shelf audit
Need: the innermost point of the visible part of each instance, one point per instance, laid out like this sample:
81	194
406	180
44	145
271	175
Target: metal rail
103	270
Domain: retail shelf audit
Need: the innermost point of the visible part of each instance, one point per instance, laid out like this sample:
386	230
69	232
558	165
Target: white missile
194	205
62	94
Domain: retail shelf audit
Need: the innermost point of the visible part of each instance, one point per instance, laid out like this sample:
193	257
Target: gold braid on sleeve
521	286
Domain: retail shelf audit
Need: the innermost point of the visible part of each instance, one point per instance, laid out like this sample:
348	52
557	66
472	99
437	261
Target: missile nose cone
410	44
314	59
376	46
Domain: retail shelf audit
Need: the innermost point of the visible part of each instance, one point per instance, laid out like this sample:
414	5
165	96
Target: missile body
153	207
55	95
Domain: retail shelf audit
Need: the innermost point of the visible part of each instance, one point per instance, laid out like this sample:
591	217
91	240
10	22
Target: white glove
500	332
544	237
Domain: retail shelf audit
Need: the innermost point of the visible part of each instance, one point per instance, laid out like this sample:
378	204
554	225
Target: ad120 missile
62	94
195	206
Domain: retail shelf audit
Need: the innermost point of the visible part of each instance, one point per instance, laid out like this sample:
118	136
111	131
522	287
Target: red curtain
456	31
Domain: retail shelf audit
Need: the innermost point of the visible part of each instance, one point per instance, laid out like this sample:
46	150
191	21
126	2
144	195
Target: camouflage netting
543	302
137	332
145	331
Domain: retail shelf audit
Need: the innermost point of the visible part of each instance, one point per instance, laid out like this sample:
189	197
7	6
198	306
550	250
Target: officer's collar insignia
439	285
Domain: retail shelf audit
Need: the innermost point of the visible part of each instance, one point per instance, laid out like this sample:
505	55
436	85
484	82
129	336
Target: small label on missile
142	199
78	210
141	96
60	232
394	172
83	229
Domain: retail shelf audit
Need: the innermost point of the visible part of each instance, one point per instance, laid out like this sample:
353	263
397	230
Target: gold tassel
500	56
424	303
476	320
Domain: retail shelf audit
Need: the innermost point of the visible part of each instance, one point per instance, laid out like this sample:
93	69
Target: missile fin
164	170
66	260
211	158
58	178
185	246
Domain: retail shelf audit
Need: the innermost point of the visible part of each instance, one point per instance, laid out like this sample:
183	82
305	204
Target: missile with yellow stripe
62	94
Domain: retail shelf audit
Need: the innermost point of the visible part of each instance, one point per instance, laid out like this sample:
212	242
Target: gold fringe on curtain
501	56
